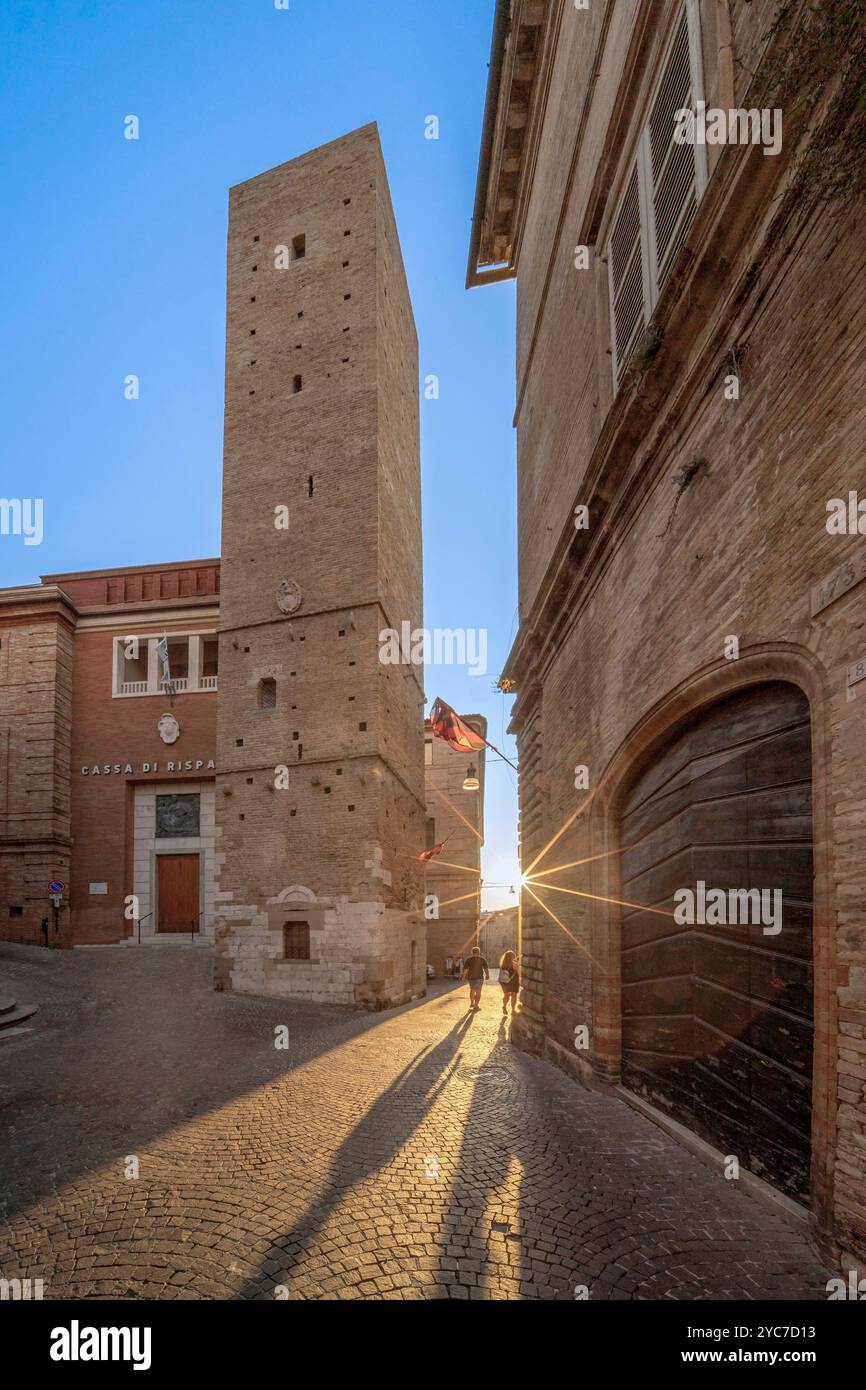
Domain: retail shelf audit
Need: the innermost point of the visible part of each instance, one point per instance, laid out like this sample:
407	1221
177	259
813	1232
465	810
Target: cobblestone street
413	1154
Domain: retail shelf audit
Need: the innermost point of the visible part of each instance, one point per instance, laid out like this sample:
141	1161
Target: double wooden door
717	1019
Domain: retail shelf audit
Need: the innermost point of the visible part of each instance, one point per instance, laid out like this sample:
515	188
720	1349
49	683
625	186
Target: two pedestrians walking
476	971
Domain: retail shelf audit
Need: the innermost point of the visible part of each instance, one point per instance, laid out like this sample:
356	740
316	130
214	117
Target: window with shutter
672	168
661	197
625	271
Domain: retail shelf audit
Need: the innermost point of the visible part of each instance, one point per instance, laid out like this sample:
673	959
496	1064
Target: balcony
190	665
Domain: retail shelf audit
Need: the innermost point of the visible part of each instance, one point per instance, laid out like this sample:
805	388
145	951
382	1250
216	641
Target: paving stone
306	1169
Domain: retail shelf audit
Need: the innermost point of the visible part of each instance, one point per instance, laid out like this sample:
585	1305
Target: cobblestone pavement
414	1154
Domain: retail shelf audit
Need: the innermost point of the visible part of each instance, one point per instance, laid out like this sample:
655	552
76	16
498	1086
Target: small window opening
268	693
299	247
297	385
296	941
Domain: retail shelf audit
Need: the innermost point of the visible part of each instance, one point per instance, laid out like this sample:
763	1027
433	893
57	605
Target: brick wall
115	734
623	626
458	818
35	830
342	455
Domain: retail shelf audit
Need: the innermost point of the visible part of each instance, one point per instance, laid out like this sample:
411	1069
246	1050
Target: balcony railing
179	685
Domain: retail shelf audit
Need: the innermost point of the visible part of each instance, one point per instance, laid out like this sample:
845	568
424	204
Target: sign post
56	889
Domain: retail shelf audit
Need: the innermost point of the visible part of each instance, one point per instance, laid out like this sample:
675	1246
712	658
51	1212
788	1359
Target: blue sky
115	257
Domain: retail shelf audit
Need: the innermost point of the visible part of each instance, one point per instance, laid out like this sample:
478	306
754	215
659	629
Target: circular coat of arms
168	728
289	596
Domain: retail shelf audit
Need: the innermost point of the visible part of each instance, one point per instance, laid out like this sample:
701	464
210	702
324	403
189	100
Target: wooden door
177	892
717	1019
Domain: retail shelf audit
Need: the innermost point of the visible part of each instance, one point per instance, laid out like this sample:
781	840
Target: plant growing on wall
821	49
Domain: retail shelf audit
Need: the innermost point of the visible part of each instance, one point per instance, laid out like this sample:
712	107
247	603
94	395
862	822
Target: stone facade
320	791
455	816
707	511
498	934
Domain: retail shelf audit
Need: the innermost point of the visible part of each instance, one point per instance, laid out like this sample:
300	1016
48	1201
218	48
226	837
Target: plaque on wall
178	817
839	582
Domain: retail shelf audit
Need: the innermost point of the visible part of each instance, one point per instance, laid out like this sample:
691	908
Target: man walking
476	972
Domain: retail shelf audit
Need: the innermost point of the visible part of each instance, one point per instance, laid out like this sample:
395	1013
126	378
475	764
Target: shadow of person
489	1217
371	1145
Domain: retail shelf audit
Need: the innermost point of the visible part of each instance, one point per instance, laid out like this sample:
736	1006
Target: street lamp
470	781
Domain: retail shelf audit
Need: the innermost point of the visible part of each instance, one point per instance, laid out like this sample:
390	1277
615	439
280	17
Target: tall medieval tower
320	747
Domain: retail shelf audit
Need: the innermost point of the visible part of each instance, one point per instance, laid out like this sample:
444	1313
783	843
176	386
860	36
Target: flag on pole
162	653
431	853
448	725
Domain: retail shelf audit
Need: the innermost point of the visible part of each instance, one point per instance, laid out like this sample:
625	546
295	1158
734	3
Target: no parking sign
56	887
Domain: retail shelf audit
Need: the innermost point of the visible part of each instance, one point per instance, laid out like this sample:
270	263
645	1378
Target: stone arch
297	893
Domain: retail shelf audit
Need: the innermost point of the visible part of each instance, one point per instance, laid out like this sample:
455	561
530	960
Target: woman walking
509	978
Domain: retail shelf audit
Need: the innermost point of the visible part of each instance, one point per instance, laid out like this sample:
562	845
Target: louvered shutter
625	271
673	168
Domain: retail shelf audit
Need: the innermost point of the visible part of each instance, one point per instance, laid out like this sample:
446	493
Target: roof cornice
524	33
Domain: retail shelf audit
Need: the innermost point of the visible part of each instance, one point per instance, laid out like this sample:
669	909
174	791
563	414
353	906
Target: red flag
431	853
449	726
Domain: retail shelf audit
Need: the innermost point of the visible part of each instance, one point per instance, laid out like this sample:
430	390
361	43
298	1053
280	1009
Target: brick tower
320	746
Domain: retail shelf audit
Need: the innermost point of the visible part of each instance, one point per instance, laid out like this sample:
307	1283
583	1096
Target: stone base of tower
362	954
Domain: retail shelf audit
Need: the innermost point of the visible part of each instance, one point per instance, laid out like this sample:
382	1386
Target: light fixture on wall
470	781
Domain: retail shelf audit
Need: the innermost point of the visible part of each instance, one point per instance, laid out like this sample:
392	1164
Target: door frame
759	665
158	854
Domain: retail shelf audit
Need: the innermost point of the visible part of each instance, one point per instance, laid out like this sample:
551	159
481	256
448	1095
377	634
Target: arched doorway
717	1016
